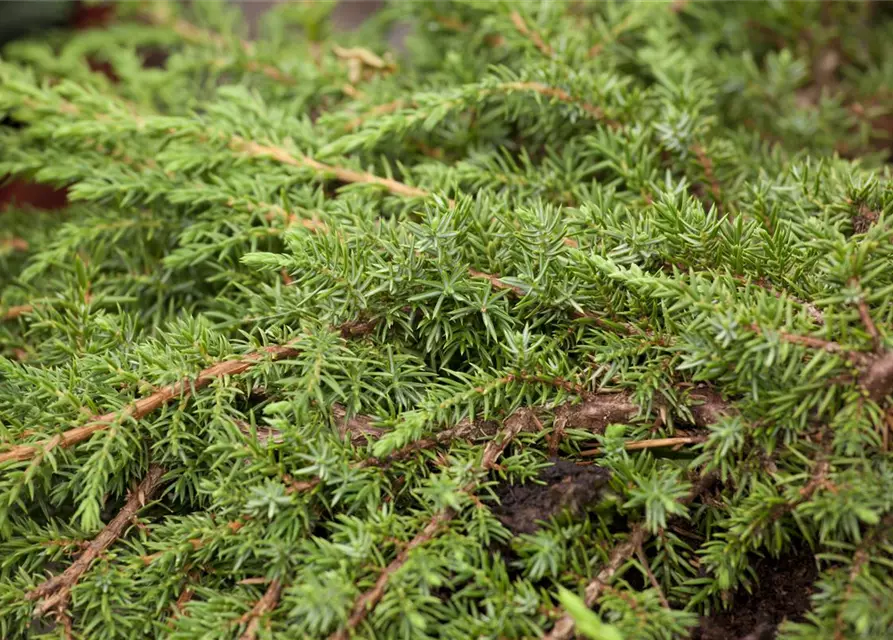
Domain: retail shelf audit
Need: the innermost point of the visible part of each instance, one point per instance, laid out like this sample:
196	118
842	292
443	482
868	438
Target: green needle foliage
321	316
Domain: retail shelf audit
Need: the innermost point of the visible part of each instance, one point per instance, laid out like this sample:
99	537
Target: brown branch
564	628
358	328
818	478
358	59
381	109
532	35
868	323
887	429
54	593
14	244
652	444
556	381
369	599
343	174
14	312
593	414
144	406
598	411
451	23
640	554
197	543
256	150
813	311
521	420
536	87
465	430
864	219
817	343
299	486
275	212
861	558
560	94
262	607
497	283
185	597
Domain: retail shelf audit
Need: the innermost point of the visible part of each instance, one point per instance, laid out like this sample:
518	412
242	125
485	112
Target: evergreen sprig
319	318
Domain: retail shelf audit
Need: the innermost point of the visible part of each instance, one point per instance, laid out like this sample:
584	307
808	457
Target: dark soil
568	486
781	593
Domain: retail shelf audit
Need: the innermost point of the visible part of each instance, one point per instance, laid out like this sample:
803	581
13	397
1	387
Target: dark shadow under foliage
781	591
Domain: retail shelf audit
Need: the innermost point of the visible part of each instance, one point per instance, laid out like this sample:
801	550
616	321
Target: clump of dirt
781	593
568	486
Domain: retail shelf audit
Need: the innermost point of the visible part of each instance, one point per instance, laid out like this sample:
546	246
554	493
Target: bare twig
147	405
640	554
560	94
652	444
868	323
388	107
262	607
497	283
564	628
530	34
521	420
14	244
860	559
366	602
19	310
813	311
342	174
817	343
54	593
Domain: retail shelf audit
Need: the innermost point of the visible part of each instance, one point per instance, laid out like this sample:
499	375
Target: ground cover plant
553	318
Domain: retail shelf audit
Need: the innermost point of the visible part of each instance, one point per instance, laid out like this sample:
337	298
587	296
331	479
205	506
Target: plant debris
782	591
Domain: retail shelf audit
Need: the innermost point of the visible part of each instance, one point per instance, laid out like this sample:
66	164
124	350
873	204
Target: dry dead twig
54	593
